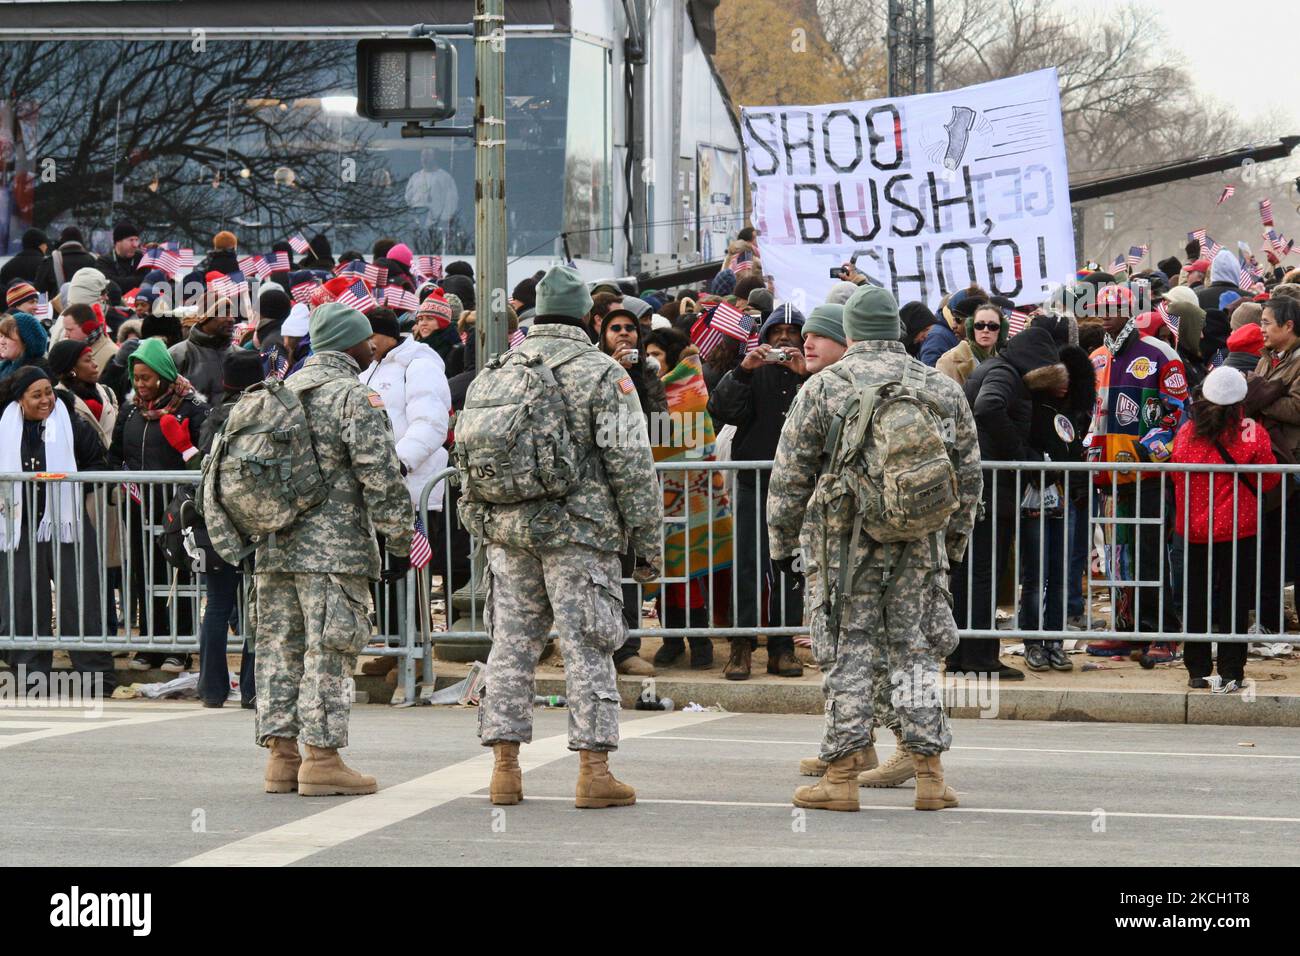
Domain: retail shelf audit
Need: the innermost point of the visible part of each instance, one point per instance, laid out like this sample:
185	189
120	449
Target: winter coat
87	450
756	403
225	261
942	339
1246	446
413	385
74	257
1225	272
104	426
1001	393
125	272
102	351
958	363
1060	424
1282	417
139	443
201	358
26	264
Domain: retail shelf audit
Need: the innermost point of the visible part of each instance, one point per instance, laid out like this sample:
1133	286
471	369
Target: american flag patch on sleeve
625	385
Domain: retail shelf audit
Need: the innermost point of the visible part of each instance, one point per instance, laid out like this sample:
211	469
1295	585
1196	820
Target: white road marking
1027	750
908	807
351	819
42	729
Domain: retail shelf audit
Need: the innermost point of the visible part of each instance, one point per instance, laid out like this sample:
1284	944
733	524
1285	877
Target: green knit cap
336	327
562	292
827	320
153	353
871	314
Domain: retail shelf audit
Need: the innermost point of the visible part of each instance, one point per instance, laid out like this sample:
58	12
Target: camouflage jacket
354	445
618	499
793	519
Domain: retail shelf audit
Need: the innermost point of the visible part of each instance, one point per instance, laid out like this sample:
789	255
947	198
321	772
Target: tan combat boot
838	790
282	764
816	767
507	779
597	787
324	774
894	772
931	793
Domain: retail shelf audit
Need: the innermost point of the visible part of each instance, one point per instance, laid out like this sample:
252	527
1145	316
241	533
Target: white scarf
59	459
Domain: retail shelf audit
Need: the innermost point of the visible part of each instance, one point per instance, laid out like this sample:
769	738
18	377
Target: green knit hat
562	292
827	320
336	327
871	314
153	353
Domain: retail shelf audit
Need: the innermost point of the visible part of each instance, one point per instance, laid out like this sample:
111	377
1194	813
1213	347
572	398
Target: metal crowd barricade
1022	541
147	606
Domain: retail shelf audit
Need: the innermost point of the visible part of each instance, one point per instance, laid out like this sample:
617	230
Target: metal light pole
491	329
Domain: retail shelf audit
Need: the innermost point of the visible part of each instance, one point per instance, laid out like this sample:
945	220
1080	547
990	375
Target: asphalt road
171	783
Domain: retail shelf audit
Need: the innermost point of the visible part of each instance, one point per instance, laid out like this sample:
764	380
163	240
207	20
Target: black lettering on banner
866	216
995	271
918	278
895	136
968	199
1042	255
857	141
819	215
792	145
902	204
761	143
940	267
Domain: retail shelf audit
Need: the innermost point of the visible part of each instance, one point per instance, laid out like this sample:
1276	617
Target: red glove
177	433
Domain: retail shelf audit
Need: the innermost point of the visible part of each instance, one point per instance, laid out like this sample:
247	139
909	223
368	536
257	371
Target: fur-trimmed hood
1048	378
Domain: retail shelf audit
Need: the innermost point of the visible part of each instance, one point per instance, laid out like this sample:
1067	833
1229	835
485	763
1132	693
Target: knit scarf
168	402
691	439
59	459
1117	343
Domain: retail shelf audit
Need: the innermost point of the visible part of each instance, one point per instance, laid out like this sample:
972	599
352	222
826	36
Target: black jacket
139	444
1001	395
1062	440
220	260
125	272
756	403
87	449
24	265
74	257
201	359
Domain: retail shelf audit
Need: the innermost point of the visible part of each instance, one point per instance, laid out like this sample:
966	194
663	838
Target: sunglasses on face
622	328
987	326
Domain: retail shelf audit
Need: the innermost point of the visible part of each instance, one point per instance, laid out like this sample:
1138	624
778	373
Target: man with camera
755	397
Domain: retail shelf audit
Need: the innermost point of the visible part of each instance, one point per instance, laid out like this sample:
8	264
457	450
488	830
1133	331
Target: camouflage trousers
885	662
309	629
577	588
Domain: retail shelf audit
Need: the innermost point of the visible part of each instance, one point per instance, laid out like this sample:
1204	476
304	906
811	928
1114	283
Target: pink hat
401	253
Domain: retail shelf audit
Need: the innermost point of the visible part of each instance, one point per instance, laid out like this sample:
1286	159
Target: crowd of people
110	362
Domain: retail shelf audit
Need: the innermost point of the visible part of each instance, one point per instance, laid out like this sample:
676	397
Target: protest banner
930	193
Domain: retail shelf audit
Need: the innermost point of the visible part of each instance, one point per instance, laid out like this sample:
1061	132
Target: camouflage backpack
262	471
512	437
888	463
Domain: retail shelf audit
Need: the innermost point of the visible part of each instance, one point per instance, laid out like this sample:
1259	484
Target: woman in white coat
410	378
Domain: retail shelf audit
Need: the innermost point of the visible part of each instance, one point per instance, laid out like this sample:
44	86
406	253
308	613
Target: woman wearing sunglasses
986	334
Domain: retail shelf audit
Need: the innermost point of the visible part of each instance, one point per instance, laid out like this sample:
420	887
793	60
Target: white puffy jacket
413	384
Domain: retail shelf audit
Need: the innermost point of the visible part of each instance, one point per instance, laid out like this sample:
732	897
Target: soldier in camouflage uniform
900	631
557	561
312	598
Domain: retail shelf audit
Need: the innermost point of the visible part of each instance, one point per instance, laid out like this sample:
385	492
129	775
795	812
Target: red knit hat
1249	338
1150	323
436	305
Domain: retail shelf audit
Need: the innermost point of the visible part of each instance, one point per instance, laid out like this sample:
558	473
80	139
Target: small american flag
151	259
358	296
277	261
421	553
427	267
302	291
1245	276
298	243
731	322
1210	248
250	265
1226	194
752	341
1117	266
232	286
705	337
517	338
1171	320
1197	236
399	299
42	310
174	260
1016	322
1266	211
1134	258
376	275
133	491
